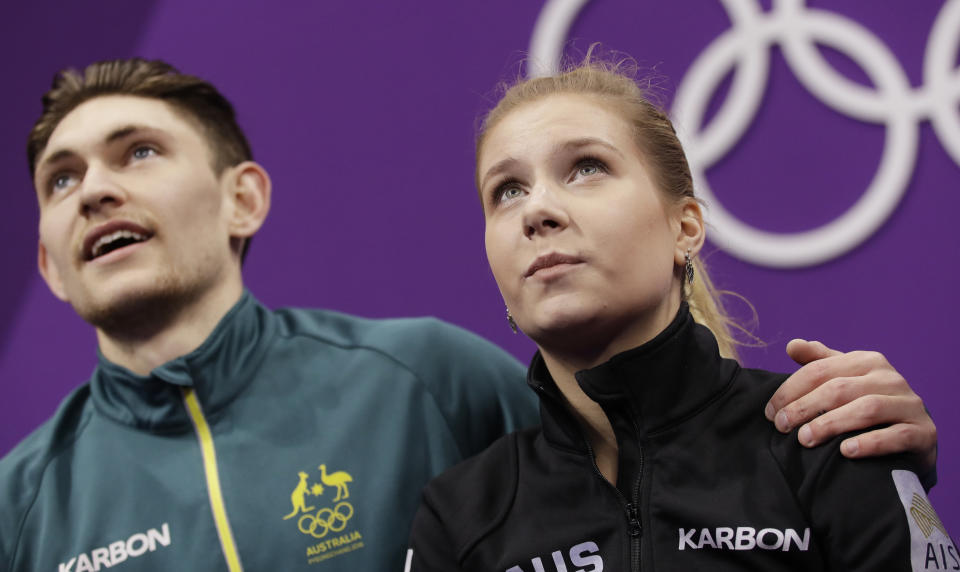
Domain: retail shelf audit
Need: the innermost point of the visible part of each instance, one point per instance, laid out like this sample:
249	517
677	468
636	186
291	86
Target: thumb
804	352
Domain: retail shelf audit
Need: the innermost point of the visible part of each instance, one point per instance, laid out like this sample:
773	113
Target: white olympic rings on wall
797	29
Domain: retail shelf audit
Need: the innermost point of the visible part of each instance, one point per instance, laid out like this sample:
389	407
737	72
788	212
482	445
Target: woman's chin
596	328
560	325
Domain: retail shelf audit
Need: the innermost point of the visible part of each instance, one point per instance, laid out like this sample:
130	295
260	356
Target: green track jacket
290	440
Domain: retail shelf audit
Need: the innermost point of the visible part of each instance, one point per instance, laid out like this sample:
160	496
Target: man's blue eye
143	152
60	182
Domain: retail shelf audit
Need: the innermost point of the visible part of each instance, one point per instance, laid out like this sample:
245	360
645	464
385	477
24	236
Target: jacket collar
218	370
664	382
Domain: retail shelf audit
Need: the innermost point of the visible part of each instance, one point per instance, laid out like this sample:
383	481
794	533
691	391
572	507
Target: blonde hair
657	141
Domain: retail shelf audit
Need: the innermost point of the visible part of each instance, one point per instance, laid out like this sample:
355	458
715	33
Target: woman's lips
554	260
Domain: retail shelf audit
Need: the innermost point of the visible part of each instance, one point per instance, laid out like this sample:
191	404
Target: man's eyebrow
115	135
55	158
122	133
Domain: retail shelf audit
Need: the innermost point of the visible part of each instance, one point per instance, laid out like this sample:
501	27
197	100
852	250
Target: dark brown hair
196	98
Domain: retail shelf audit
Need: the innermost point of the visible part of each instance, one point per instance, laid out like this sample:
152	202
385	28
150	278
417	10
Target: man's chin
134	311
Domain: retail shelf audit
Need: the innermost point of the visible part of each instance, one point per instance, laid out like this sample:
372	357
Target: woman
652	453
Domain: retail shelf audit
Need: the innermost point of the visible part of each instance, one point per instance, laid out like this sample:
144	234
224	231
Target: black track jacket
705	483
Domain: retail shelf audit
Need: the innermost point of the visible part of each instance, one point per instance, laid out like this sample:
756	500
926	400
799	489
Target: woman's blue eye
508	192
590	167
511	193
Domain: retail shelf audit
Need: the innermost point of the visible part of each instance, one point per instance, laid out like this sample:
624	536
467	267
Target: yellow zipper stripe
213	480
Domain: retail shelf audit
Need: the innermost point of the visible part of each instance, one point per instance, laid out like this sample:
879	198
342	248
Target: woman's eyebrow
498	167
565	146
580	143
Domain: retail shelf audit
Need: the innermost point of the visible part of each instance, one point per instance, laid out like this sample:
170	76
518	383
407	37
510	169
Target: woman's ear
248	188
691	231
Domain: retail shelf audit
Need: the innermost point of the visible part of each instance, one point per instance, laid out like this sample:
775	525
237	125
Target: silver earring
688	267
511	321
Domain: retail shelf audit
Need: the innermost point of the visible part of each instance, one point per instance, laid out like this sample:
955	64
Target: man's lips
103	238
550	260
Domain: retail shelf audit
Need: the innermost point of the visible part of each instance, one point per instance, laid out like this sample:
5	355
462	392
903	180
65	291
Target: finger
830	397
813	356
864	412
804	352
893	439
801	383
817	372
848	417
839	391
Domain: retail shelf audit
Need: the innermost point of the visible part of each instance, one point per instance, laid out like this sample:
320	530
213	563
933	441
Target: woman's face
580	241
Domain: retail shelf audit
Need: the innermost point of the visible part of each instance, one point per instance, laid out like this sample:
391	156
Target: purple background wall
364	115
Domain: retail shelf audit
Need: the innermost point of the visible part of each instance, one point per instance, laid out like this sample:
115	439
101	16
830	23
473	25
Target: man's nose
99	189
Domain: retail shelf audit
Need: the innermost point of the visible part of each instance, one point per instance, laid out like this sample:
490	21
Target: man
217	434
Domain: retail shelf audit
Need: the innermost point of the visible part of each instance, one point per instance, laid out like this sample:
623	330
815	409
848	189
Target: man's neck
184	332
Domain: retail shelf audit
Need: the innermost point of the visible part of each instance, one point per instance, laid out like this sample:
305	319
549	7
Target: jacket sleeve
431	548
479	389
463	507
864	513
929	477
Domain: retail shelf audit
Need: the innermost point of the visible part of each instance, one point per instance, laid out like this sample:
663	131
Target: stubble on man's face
140	313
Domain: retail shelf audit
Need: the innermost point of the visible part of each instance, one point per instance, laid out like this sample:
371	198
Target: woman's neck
588	412
563	363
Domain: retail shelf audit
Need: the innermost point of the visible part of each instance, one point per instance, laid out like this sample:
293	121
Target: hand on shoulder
835	392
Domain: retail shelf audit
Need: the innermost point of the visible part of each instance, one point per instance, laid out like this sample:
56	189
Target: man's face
131	211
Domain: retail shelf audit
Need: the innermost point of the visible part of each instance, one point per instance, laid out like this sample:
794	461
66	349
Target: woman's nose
544	211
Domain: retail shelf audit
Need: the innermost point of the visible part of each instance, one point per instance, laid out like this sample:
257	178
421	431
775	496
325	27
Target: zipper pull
635	527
